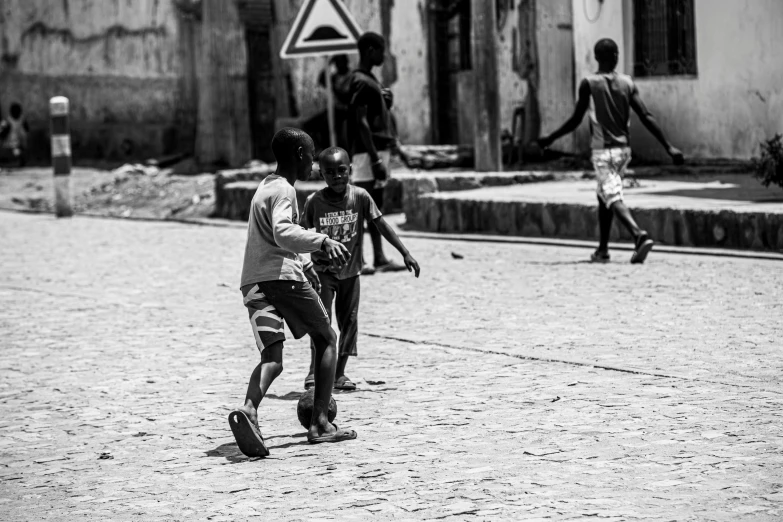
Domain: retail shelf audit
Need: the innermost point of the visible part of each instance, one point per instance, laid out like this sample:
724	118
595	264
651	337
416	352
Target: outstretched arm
391	236
648	120
290	236
582	104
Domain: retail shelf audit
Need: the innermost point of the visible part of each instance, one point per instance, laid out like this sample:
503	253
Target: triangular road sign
321	27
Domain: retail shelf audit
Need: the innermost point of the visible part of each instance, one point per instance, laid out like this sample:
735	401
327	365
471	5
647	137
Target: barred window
664	38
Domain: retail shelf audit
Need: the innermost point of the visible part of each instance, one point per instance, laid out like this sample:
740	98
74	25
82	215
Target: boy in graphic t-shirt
339	211
277	286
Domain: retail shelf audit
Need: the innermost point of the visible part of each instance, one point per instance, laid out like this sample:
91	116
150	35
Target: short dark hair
287	141
605	49
332	150
15	110
369	40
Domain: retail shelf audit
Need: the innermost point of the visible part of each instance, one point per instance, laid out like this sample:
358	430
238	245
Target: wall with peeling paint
736	99
513	86
117	61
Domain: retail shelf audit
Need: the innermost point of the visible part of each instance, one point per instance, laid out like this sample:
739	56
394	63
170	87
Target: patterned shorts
609	166
270	302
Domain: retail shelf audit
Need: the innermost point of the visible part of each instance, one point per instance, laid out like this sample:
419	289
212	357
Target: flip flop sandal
337	436
309	382
344	383
247	435
642	249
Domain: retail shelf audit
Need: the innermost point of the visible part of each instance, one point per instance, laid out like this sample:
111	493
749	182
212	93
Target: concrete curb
397	220
588	245
471	213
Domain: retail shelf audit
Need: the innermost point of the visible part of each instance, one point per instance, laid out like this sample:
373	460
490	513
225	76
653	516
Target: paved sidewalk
652	194
124	345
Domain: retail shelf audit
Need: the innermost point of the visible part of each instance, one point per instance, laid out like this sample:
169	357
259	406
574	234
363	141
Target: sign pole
330	103
323	28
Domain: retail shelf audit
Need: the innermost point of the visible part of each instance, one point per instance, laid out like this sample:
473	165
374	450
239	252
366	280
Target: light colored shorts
362	166
609	166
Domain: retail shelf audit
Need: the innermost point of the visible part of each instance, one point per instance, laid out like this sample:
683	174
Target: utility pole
487	102
223	135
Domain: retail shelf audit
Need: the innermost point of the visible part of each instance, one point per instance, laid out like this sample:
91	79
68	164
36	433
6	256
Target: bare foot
320	431
251	412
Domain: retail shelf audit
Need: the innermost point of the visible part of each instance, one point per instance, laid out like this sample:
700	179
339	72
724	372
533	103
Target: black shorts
271	302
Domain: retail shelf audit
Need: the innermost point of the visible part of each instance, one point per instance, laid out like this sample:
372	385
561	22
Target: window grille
664	38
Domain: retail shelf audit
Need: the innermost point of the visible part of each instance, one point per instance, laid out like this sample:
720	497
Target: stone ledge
745	230
416	185
233	187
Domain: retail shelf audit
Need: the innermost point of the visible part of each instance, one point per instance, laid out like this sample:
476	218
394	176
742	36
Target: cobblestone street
519	382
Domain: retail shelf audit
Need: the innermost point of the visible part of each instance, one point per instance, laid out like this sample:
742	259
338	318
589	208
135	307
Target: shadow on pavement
290	396
230	451
553	263
289	444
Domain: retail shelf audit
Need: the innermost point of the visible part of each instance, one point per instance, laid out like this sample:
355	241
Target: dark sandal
344	383
337	436
247	435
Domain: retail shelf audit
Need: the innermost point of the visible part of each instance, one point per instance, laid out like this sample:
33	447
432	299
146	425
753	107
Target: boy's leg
267	324
381	262
609	166
328	289
605	218
325	341
270	367
623	213
347	311
304	313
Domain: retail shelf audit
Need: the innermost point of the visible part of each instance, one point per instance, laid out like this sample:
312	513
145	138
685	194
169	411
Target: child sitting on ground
16	140
339	211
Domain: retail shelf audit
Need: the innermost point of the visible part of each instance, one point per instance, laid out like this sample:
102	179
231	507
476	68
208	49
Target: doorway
258	17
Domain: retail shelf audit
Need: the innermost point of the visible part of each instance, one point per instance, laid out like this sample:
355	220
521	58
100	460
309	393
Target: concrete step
235	197
568	210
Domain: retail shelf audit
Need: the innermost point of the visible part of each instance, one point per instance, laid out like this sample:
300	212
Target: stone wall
120	63
670	226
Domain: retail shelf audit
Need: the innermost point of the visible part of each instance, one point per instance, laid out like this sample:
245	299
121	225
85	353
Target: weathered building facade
710	70
152	77
120	64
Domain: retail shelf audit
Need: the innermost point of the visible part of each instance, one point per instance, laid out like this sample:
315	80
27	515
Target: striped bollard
61	156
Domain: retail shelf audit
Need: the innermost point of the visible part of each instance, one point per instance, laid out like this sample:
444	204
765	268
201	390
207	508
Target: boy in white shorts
609	96
372	137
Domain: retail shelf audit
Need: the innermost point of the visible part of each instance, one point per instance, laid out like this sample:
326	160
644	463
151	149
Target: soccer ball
304	409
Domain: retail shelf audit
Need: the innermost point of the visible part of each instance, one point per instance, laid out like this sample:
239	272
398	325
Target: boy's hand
411	264
379	171
312	276
676	155
388	97
338	254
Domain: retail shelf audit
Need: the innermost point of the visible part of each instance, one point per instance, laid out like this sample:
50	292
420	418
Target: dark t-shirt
367	91
342	221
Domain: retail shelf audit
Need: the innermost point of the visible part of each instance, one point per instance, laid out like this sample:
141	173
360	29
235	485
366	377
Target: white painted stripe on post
58	106
61	146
